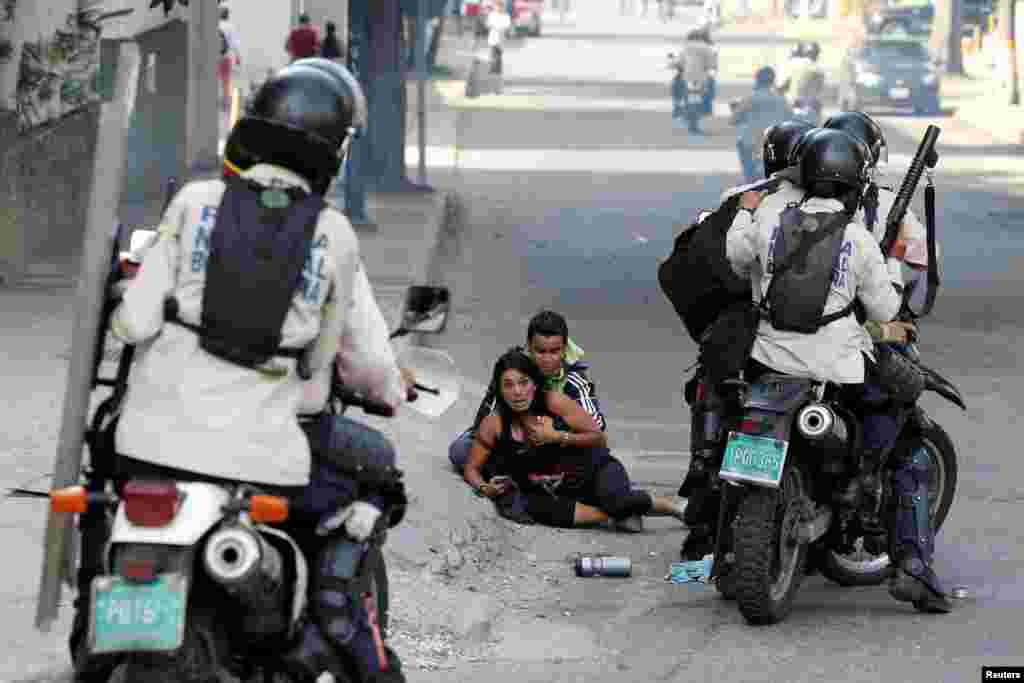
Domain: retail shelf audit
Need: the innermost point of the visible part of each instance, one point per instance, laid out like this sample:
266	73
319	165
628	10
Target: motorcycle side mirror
139	242
425	311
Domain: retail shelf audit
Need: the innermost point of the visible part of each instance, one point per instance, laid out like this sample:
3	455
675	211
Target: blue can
587	566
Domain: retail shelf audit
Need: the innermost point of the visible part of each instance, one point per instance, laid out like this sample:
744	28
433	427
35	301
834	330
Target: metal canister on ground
587	566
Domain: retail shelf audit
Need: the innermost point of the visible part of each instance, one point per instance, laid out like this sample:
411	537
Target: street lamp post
421	87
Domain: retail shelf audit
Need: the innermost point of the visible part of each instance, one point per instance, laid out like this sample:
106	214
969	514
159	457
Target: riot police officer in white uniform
834	172
247	294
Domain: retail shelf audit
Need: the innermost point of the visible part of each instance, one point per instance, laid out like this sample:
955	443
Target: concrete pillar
202	122
385	152
163	125
355	185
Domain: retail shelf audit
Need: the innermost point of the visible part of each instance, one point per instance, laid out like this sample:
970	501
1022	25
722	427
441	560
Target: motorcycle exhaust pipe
246	565
819	424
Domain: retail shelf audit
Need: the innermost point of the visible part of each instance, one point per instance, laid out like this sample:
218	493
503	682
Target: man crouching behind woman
534	472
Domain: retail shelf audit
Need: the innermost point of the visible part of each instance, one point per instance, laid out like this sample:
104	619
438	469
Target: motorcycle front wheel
769	556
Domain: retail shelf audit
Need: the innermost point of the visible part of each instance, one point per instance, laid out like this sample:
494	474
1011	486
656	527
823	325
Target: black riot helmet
834	165
779	141
348	82
797	150
300	119
863	127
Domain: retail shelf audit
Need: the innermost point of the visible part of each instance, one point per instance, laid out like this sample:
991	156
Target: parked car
916	19
887	72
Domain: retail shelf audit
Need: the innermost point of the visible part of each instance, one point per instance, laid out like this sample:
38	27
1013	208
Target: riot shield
107	181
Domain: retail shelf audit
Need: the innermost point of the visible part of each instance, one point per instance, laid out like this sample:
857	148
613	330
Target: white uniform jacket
833	352
190	410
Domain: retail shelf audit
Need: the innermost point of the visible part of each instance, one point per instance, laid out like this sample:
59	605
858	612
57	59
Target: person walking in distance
230	56
332	47
498	23
303	40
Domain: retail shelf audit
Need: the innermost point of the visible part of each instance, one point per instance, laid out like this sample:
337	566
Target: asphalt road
575	184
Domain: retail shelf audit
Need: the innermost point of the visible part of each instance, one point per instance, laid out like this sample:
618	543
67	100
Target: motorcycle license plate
754	459
138	617
899	93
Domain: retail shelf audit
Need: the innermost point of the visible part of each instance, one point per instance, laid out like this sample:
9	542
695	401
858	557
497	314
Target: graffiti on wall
7	8
58	74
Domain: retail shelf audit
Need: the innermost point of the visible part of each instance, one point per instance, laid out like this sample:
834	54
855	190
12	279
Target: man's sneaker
630	525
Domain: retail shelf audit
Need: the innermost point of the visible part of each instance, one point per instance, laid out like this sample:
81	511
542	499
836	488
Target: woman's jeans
607	487
458	451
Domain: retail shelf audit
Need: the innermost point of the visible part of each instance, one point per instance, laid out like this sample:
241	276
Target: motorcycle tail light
753	425
138	570
700	391
150	503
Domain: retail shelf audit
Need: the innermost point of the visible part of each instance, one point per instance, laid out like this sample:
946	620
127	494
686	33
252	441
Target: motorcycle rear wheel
769	560
874	570
199	660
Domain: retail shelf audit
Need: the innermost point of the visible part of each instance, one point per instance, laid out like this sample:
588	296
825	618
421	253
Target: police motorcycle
204	580
782	454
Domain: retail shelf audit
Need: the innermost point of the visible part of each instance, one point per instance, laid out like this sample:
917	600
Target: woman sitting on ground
560	478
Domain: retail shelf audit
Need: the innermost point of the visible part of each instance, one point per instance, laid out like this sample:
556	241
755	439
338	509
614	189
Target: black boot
701	518
915	582
910	537
311	654
699	542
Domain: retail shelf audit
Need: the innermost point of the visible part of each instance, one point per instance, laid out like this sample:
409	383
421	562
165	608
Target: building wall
44	188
